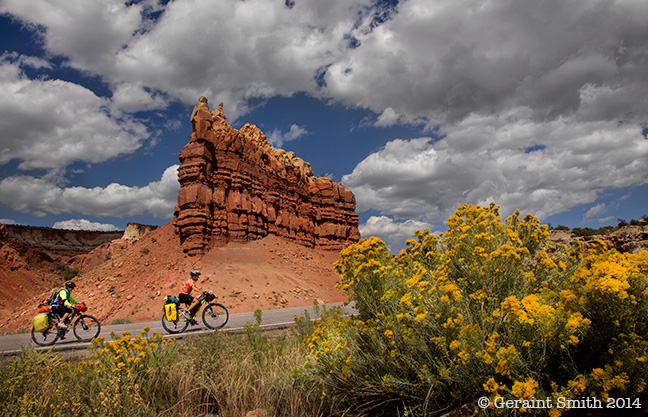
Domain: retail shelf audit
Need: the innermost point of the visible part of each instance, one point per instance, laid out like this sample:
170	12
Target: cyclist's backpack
41	322
54	298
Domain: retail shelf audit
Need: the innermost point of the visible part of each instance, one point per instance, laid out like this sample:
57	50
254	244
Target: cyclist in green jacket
64	303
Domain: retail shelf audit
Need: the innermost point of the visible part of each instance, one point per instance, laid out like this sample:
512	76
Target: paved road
12	344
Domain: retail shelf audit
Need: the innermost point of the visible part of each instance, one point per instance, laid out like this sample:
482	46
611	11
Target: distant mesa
61	241
236	187
68	242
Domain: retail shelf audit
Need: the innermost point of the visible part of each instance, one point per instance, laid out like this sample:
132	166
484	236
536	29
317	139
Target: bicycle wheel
86	328
47	338
177	326
215	316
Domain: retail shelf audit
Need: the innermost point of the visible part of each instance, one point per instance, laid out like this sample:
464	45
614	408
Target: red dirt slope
129	278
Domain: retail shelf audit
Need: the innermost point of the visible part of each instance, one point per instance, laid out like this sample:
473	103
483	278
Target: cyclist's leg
65	319
58	311
193	306
185	299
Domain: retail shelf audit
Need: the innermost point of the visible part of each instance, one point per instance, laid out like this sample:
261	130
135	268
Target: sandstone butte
236	187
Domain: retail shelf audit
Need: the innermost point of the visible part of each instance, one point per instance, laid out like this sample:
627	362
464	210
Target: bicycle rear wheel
177	326
215	316
86	328
47	338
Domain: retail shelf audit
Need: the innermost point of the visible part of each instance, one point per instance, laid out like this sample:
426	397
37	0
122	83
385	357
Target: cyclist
64	304
185	293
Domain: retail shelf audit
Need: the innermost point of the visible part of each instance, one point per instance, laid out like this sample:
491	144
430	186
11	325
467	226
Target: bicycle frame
204	298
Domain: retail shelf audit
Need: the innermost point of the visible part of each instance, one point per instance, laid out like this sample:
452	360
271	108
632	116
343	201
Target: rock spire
236	187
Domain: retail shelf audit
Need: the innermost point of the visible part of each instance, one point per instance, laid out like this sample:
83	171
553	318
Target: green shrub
124	320
70	273
561	227
66	272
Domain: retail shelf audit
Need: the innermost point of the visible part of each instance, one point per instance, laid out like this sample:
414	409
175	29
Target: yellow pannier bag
41	322
171	311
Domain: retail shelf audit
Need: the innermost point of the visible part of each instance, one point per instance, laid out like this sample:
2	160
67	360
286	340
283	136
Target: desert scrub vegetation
66	272
145	375
605	230
483	311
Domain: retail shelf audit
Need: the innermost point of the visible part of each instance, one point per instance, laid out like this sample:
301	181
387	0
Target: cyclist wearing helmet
185	293
64	303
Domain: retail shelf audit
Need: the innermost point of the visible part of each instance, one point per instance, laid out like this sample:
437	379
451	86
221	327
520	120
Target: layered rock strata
59	240
236	187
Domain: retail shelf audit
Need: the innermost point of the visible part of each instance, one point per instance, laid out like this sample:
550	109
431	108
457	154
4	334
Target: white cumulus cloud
596	211
277	138
393	233
83	224
49	124
41	197
496	158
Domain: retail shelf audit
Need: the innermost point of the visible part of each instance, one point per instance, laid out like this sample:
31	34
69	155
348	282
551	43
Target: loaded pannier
41	322
171	308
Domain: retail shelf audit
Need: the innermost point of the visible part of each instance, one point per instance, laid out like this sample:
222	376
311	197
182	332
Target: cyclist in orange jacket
185	293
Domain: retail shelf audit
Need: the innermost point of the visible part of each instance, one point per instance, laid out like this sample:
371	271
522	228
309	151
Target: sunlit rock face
236	187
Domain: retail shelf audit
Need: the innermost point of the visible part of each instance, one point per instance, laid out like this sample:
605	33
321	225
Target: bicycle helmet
71	285
195	273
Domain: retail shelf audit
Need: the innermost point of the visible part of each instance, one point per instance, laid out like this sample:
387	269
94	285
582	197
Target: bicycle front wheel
177	326
215	316
46	338
86	328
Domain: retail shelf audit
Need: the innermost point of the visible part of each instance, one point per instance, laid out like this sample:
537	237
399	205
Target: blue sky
418	106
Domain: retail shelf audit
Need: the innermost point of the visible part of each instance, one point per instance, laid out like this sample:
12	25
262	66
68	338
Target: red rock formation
236	187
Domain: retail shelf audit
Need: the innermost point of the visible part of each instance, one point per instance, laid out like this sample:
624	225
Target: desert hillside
128	278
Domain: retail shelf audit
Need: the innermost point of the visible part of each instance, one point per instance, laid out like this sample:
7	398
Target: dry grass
215	375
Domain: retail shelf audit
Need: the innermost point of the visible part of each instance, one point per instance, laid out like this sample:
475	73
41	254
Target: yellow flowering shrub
488	308
119	371
125	376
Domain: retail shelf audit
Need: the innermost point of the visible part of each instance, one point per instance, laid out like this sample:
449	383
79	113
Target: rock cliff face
236	187
136	230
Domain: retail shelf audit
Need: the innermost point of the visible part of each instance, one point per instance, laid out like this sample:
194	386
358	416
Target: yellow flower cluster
123	354
525	390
